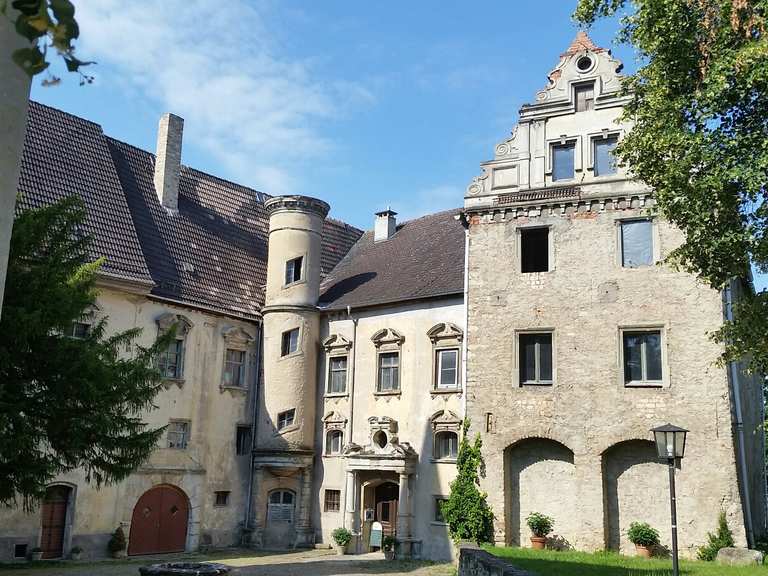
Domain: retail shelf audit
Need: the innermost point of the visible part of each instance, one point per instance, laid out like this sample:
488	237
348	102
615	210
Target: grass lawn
553	563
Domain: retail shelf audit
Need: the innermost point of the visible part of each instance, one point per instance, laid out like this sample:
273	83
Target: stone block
739	557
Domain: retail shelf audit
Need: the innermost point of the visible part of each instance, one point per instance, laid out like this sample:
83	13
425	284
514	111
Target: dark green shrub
723	538
388	543
117	542
341	536
642	534
539	524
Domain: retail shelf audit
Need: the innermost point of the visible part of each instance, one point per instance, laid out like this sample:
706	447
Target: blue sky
363	104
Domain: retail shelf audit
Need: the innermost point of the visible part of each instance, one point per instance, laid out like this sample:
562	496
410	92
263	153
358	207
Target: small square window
447	369
290	343
636	243
234	368
584	96
332	501
285	419
642	357
293	270
389	372
20	550
439	501
563	161
178	434
534	250
222	498
243	436
535	358
605	162
337	374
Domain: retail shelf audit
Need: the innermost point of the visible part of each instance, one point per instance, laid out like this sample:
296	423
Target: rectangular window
20	550
636	243
290	343
534	250
170	361
447	369
178	434
389	371
439	501
584	95
222	498
563	161
293	270
234	368
605	162
337	375
535	358
332	501
642	357
285	419
243	440
78	330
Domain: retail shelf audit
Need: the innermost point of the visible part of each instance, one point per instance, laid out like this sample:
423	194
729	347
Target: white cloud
216	64
429	201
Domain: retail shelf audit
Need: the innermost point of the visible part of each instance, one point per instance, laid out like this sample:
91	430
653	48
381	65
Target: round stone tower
291	323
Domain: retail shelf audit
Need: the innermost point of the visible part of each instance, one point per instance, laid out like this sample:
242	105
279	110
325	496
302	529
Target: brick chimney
385	225
168	161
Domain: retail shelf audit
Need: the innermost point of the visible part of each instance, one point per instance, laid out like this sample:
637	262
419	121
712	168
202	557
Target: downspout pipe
735	383
247	524
464	345
351	397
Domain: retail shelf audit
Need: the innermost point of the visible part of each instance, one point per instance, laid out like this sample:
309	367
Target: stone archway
635	490
540	477
160	521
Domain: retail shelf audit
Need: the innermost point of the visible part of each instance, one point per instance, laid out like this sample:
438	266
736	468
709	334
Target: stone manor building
321	374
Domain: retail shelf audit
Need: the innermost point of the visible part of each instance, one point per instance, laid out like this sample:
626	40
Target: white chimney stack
385	225
168	161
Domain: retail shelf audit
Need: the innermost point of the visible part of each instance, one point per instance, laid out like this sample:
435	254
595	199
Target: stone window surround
516	358
183	326
655	238
303	277
333	421
550	243
235	338
577	140
592	137
446	336
336	345
660	327
388	341
444	421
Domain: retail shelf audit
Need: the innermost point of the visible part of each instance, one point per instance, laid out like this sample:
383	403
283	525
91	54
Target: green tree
466	511
66	402
699	104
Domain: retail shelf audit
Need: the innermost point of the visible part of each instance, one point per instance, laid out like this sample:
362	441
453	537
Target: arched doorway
54	514
280	530
159	521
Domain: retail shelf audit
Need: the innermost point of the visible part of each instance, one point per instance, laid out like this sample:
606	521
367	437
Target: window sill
443	460
336	395
234	389
537	384
644	384
437	523
291	355
286	430
168	382
458	390
388	393
332	455
292	284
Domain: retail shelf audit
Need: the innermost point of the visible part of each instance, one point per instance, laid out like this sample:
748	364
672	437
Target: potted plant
36	553
388	545
116	544
341	537
76	553
644	537
540	525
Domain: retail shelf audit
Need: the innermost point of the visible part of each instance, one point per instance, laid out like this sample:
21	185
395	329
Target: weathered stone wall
476	562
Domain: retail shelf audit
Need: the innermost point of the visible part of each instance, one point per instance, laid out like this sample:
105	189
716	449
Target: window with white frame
603	151
334	442
535	358
234	368
290	342
446	445
636	243
446	349
642	357
285	419
337	375
178	434
563	161
293	270
447	368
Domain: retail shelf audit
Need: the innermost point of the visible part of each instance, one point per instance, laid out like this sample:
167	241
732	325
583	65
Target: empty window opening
285	419
332	501
243	440
563	161
222	498
20	550
642	357
534	250
584	95
337	375
380	439
605	161
290	342
535	358
636	243
293	270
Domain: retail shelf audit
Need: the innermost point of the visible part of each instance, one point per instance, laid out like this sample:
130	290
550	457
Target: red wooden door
159	522
54	521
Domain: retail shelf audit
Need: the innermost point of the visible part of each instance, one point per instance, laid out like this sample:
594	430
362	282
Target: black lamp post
670	445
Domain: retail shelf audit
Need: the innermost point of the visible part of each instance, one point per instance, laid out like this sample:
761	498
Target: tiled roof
212	253
423	259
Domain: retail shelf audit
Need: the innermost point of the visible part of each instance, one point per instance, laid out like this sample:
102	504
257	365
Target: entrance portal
159	522
385	499
54	524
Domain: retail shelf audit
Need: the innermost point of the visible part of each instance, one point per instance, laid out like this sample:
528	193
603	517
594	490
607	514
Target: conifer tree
66	402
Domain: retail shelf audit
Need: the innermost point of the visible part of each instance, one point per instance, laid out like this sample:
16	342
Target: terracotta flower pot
644	551
538	542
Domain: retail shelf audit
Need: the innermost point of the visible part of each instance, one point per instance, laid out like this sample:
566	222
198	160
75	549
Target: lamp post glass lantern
670	445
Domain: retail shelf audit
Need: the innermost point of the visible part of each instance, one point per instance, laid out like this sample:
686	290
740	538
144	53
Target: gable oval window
170	362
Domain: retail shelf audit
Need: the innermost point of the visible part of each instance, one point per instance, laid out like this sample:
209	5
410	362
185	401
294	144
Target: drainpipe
254	423
465	223
351	399
739	424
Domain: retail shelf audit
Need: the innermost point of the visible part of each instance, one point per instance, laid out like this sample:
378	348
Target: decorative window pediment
387	338
183	324
334	421
445	331
336	343
384	423
236	337
445	420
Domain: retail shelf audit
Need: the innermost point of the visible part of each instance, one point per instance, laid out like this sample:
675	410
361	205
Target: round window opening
584	63
380	439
